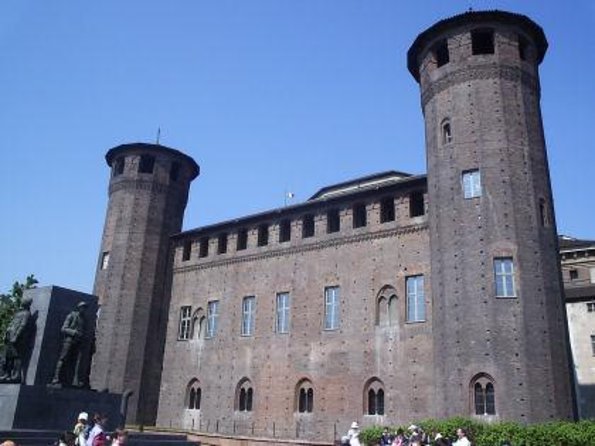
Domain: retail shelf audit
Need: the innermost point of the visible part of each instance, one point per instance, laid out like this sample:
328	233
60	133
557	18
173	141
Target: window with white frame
416	303
282	320
331	308
212	317
185	323
471	183
248	304
504	277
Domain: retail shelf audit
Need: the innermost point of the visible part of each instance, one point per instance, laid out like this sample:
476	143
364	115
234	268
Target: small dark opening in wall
387	210
441	53
242	239
263	235
359	215
416	204
523	46
186	250
174	171
285	231
333	222
482	42
222	243
446	133
119	166
573	274
308	226
147	163
204	247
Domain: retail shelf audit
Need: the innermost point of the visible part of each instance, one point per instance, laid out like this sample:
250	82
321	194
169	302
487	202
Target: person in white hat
353	434
79	428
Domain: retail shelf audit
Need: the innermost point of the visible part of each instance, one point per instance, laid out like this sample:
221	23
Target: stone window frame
387	307
445	132
244	397
374	397
304	397
198	330
185	323
193	398
482	395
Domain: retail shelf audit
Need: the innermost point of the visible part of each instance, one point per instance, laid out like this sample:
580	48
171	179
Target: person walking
462	439
353	434
80	429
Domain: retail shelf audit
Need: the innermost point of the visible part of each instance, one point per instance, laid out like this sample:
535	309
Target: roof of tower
142	146
475	17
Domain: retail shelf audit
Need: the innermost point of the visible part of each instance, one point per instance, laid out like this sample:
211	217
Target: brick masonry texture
426	368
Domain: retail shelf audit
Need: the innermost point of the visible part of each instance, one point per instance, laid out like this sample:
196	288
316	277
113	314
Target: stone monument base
49	408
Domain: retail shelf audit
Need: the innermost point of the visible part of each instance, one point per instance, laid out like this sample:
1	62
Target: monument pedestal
43	407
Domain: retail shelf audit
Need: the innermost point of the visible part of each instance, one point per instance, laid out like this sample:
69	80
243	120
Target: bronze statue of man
73	332
15	345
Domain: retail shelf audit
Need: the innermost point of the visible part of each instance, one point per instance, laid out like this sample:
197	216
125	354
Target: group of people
414	436
92	433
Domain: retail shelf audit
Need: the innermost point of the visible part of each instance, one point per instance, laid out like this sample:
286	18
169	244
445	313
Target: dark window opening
416	204
479	400
242	239
484	397
573	274
146	164
482	42
446	133
333	221
441	53
543	213
245	400
119	166
387	210
375	402
222	243
263	235
523	46
490	399
174	171
204	247
285	231
306	401
359	215
194	398
307	226
186	250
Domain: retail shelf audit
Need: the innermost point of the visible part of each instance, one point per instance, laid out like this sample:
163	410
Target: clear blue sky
266	95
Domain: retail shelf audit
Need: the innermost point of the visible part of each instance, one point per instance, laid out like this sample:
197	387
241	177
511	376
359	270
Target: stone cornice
490	71
316	246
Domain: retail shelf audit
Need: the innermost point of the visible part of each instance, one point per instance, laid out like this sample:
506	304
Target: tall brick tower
148	192
501	344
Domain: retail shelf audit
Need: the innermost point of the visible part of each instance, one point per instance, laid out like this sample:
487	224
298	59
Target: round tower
148	192
501	345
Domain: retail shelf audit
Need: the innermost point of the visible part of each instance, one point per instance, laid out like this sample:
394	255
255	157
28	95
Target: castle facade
384	299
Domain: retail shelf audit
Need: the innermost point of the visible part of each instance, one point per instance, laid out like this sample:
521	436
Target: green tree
10	302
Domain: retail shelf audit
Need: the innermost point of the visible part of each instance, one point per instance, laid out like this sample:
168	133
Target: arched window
483	395
198	324
304	396
244	396
193	395
374	397
446	132
386	307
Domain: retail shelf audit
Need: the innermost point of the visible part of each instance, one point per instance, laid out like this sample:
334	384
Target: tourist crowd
414	436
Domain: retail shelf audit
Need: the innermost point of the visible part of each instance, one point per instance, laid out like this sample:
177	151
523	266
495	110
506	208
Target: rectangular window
242	239
592	275
284	231
248	316
222	243
573	273
416	204
523	45
212	318
331	308
333	221
119	166
482	42
504	277
282	320
308	226
593	344
186	250
146	164
359	215
387	209
185	320
441	53
471	183
204	247
416	302
104	260
591	307
263	235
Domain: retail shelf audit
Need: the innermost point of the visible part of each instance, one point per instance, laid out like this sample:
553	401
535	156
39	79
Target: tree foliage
10	302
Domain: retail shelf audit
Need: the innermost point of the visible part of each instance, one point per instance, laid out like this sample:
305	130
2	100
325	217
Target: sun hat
354	425
83	416
438	436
